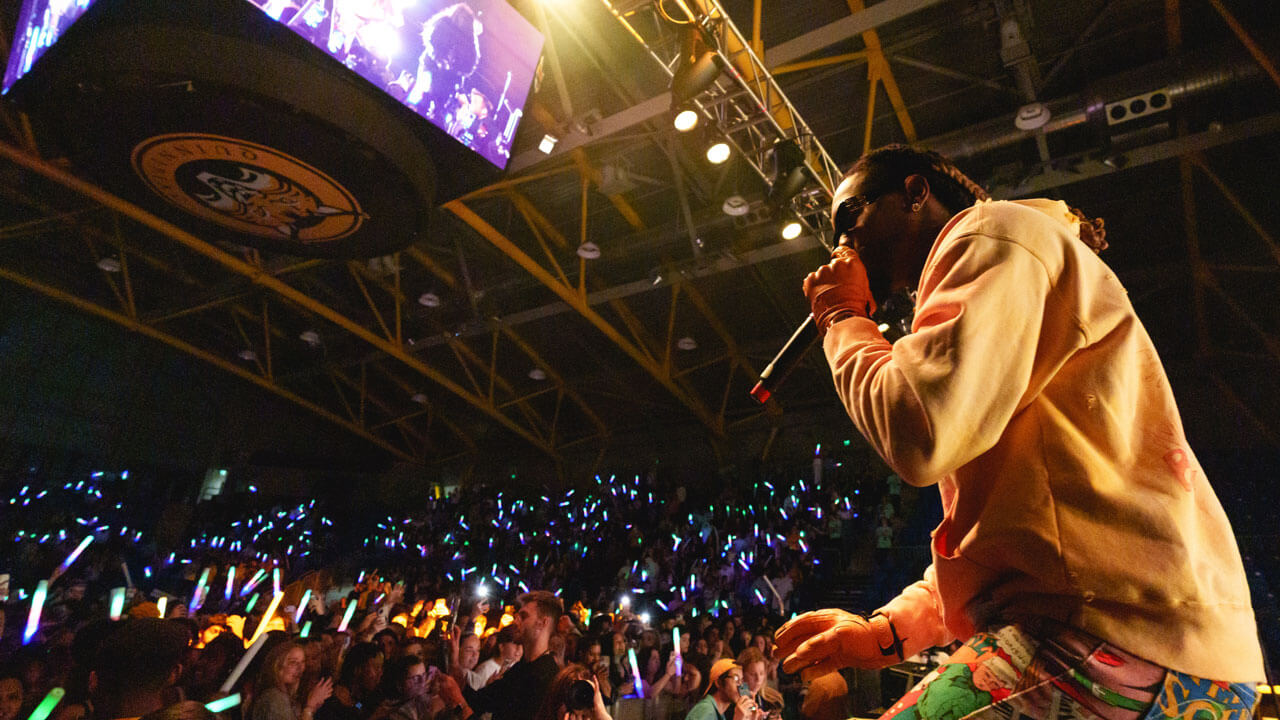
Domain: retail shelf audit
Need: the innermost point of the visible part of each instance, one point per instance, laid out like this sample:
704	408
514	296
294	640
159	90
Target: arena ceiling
493	338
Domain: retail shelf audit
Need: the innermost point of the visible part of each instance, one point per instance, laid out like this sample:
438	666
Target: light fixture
735	206
247	354
718	152
109	264
310	337
429	299
792	230
1032	116
699	67
686	120
588	250
538	374
419	398
789	172
548	143
687	343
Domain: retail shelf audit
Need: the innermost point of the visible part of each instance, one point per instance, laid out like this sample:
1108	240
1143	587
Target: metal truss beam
267	281
575	297
135	326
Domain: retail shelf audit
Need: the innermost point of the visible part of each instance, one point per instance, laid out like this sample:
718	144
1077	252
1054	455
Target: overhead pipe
1188	78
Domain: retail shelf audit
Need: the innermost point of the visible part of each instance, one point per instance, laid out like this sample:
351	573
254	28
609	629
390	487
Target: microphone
787	359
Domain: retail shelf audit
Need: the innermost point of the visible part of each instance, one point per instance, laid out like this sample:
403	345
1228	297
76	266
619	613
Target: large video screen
40	24
466	66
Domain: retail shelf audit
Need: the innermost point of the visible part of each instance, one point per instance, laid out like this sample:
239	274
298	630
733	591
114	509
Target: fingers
812	651
796	631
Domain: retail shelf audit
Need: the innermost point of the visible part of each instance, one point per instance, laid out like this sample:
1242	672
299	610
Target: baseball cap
721	666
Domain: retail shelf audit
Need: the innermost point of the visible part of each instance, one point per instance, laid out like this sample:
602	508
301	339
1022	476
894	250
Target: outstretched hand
824	641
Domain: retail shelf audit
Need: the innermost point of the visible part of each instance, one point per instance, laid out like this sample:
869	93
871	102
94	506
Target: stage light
792	230
686	120
699	67
718	152
790	173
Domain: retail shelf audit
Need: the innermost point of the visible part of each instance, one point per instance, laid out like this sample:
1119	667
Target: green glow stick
346	618
302	606
306	629
46	706
252	601
225	703
117	603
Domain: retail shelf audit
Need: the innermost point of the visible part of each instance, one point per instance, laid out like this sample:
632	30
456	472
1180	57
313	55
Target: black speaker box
217	118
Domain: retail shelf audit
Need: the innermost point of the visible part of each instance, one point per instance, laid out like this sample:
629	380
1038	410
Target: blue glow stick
302	606
33	618
635	672
231	582
221	704
75	554
197	599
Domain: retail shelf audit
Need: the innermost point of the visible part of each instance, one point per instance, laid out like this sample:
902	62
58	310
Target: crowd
415	614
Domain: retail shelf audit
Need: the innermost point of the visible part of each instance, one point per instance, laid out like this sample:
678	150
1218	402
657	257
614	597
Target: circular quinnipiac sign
247	187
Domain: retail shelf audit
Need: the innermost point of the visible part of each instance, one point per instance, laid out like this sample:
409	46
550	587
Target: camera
581	696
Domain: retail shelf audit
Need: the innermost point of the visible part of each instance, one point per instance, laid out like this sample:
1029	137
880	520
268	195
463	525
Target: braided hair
888	166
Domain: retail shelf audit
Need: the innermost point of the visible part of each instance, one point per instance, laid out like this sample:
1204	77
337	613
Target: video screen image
465	66
40	24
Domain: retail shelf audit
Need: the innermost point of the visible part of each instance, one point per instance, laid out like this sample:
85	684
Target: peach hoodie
1030	392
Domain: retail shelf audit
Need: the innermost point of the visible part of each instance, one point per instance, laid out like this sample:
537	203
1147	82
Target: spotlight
718	152
791	230
699	68
686	120
789	173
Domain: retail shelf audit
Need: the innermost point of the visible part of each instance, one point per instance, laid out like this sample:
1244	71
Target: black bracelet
896	647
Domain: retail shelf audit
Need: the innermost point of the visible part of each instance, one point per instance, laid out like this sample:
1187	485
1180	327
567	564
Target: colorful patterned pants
1064	674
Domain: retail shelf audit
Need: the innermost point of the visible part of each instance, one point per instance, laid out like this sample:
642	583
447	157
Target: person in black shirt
518	694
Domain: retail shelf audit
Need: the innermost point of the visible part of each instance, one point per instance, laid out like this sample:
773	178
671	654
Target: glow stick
346	617
117	603
231	581
253	582
221	704
244	663
635	672
306	629
266	617
37	606
275	579
74	554
197	598
675	637
252	601
162	604
46	706
302	606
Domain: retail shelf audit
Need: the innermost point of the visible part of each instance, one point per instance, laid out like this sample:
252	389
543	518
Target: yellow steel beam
1259	55
576	301
884	74
556	378
590	172
819	62
265	280
147	331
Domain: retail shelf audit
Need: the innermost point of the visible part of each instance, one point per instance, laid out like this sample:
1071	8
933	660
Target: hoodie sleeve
943	395
916	614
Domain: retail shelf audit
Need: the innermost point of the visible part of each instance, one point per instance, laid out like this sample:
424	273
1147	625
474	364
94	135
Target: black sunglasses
848	210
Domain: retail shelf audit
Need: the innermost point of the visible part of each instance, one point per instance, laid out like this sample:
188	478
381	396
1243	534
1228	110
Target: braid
890	165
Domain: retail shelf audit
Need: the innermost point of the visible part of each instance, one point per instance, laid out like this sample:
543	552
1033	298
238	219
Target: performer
1083	560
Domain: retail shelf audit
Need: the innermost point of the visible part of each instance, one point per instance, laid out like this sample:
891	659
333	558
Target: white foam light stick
117	603
635	672
244	663
162	604
231	583
675	637
73	556
346	617
37	607
197	598
302	606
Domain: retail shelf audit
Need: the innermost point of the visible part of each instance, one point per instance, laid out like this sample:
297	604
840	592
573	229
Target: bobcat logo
249	188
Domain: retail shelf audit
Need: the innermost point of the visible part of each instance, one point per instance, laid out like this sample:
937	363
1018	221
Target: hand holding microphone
839	289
